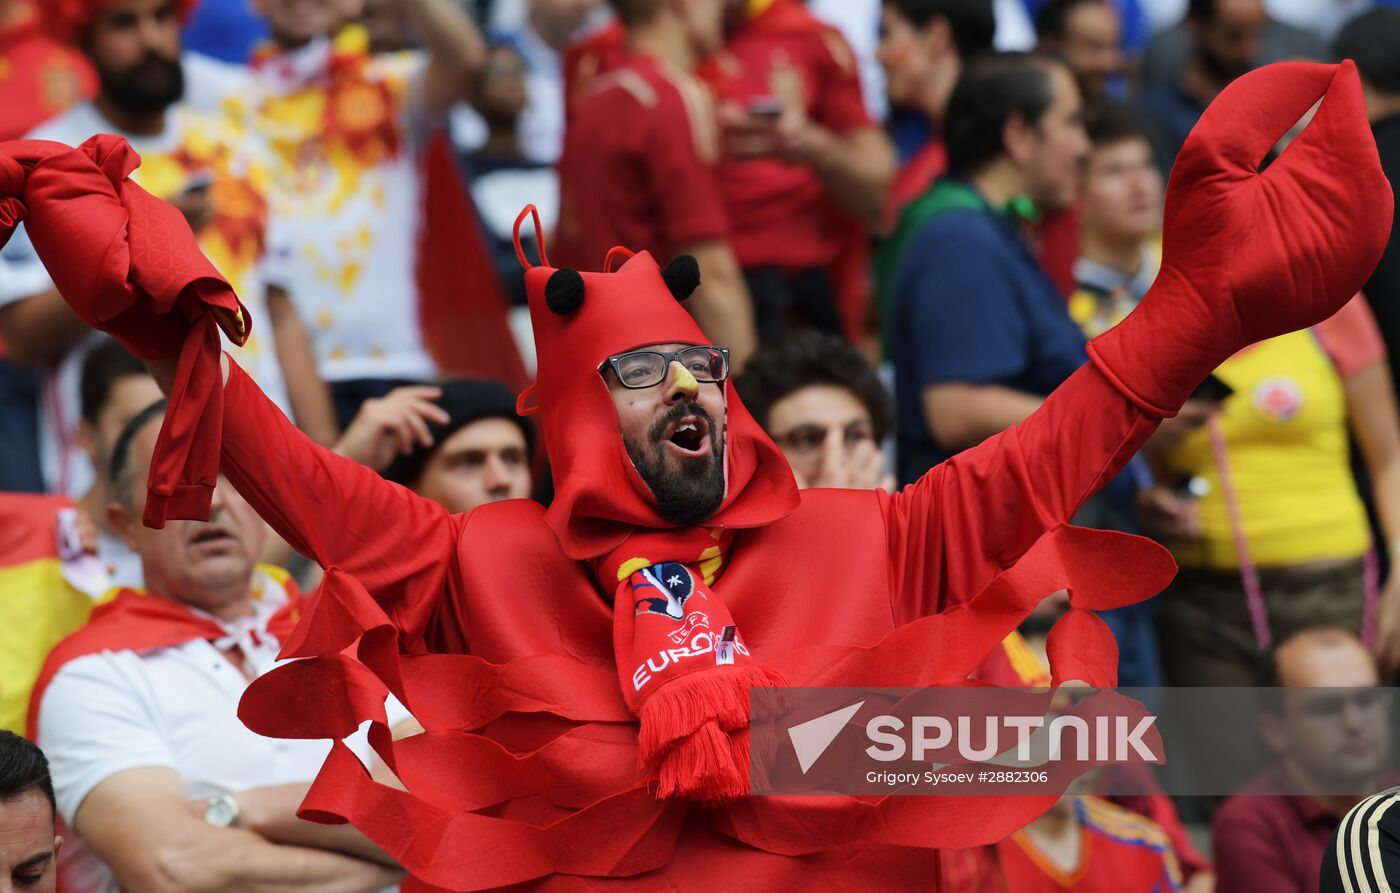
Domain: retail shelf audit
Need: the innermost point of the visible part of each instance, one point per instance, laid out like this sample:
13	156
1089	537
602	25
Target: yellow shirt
1286	440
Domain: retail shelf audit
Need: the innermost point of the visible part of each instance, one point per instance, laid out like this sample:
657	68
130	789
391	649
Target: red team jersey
779	212
38	77
638	167
1119	852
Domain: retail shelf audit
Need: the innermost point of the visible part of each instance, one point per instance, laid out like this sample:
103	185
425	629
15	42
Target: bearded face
135	48
681	459
674	434
149	86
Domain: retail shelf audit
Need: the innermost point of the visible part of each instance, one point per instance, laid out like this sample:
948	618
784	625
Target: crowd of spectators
910	217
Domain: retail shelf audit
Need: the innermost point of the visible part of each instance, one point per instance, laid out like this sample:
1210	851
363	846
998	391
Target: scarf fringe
696	730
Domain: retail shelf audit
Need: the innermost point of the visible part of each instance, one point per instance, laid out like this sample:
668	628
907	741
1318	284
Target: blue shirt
971	304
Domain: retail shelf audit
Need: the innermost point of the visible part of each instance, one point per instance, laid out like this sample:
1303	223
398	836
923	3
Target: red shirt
1263	841
598	53
915	177
1057	239
638	167
1118	851
778	211
38	78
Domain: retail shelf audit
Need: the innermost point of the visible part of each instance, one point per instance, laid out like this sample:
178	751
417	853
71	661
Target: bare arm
856	168
139	822
963	415
721	306
455	49
40	329
311	399
1371	408
1376	423
271	812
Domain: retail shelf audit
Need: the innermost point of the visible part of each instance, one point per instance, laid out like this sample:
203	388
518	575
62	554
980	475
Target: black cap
466	401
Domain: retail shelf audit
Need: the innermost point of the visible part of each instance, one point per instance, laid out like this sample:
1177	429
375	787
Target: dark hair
1372	41
633	12
104	366
993	90
1050	22
23	767
813	358
1200	10
466	401
972	21
121	470
1113	122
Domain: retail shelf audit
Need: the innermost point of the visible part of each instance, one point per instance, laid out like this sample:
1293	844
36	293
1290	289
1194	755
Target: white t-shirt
347	173
193	145
107	713
209	81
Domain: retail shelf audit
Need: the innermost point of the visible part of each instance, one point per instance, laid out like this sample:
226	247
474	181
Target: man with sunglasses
583	671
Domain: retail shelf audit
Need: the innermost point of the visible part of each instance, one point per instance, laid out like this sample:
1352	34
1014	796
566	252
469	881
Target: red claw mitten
128	265
1249	255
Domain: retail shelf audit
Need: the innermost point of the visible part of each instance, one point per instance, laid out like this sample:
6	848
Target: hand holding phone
766	107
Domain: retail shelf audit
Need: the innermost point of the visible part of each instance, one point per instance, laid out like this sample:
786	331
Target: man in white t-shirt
346	128
197	160
162	785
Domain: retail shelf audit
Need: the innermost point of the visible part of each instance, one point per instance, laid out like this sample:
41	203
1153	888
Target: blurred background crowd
910	217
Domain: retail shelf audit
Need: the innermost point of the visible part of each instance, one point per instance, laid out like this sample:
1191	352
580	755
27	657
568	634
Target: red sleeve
840	105
1247	855
400	546
958	526
681	172
1351	338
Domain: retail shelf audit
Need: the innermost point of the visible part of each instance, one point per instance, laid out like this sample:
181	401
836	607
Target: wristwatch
221	811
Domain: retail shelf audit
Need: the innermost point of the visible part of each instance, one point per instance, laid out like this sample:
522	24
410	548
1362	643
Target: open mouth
689	436
211	535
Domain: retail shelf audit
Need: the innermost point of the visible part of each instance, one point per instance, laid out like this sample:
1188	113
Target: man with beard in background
1225	37
195	160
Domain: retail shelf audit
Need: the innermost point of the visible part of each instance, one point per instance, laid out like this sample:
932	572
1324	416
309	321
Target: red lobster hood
599	496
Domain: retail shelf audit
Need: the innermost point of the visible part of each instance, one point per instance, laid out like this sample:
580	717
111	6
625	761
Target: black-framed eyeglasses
647	368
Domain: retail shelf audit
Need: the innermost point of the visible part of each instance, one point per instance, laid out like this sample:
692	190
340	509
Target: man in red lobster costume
582	670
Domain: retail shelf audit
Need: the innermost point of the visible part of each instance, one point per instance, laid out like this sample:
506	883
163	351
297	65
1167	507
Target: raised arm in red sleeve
340	513
1236	268
968	518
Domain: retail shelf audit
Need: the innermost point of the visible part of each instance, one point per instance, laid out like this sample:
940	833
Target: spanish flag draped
39	605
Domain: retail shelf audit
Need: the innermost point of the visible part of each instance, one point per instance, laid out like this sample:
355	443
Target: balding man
1326	739
138	713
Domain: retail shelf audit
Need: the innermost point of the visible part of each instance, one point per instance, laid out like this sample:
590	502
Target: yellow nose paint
684	380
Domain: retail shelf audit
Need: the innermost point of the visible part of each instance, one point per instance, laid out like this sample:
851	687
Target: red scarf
682	662
128	264
134	621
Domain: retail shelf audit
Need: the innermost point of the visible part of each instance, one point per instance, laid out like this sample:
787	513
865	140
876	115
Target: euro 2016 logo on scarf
674	586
